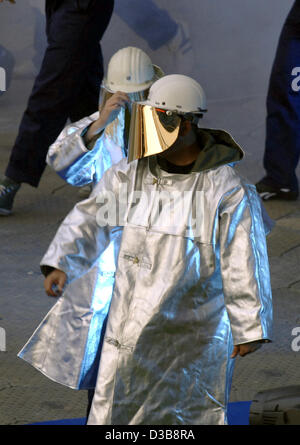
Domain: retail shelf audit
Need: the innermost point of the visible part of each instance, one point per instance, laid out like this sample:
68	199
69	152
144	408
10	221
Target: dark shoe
8	190
267	192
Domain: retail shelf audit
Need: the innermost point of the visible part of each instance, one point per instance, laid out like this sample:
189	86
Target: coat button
136	260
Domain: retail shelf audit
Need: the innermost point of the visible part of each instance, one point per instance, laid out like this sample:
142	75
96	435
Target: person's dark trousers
67	85
282	148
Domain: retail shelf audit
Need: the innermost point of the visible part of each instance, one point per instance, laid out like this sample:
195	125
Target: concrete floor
26	395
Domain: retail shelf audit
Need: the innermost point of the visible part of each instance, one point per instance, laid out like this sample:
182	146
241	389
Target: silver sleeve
70	157
245	266
80	240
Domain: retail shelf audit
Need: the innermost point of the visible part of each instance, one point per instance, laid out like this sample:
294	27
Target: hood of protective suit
219	148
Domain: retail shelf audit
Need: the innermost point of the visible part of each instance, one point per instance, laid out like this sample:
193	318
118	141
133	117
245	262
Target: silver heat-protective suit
87	297
181	296
79	164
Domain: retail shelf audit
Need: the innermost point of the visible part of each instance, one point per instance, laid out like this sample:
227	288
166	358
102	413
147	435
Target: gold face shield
152	131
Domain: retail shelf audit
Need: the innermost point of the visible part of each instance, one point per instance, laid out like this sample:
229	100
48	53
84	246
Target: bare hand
108	113
58	278
112	107
245	348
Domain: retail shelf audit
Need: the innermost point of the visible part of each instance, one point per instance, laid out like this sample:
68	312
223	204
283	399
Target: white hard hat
131	70
179	93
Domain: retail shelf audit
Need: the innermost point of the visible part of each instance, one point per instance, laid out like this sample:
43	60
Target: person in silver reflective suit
86	149
81	154
188	295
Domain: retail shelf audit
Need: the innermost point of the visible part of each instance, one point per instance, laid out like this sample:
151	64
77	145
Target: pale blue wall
233	40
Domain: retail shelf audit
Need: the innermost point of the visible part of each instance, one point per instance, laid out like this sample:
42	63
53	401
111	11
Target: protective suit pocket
207	258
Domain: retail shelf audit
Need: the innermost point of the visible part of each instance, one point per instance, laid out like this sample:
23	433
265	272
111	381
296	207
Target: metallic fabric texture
78	164
177	297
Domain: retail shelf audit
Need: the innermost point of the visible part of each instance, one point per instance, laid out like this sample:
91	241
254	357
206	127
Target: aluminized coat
178	301
79	316
79	164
